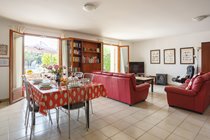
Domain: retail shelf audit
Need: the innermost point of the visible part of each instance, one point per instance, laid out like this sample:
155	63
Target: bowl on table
37	81
45	86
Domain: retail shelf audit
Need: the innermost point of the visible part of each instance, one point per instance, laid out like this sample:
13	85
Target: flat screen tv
136	67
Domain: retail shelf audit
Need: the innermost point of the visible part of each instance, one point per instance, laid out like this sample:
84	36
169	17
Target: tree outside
107	59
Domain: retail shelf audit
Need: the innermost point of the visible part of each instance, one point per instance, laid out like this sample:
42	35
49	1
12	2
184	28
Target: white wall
141	52
6	25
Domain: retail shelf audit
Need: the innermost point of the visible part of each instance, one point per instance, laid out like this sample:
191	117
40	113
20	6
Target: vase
58	79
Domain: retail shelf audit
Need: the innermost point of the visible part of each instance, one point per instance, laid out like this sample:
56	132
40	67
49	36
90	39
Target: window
39	51
110	58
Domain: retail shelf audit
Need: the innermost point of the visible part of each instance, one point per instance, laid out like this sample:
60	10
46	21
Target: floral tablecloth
55	97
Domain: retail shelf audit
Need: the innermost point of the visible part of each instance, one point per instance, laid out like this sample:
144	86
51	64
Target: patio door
110	58
16	66
124	59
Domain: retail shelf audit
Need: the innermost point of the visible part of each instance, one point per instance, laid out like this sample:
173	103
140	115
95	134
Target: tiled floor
112	120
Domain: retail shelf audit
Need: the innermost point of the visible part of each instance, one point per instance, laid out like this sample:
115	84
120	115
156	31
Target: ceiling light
89	7
200	18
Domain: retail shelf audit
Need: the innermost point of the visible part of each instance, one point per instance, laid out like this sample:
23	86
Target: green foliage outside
107	59
49	59
34	60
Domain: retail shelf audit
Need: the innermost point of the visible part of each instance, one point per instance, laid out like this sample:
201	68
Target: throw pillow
189	86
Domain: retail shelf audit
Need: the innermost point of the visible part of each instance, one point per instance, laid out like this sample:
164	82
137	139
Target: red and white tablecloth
49	99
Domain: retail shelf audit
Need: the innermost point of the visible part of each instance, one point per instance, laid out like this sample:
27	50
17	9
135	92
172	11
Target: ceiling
118	19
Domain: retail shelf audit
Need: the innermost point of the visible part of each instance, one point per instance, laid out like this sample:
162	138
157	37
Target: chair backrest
78	75
190	71
89	75
26	85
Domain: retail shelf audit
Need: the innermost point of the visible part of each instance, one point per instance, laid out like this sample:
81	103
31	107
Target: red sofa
195	98
122	87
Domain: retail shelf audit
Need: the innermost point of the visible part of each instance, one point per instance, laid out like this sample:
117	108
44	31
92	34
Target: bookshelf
84	55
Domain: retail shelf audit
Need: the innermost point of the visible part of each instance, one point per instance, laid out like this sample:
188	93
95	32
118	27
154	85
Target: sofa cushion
128	75
197	83
189	86
97	72
107	73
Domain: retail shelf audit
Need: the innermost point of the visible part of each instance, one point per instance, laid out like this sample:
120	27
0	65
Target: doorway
29	52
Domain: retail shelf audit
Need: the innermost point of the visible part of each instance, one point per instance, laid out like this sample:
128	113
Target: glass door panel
66	59
124	60
16	66
110	58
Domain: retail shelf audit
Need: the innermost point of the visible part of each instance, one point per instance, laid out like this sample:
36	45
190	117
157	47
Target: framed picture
4	62
187	55
155	56
169	56
4	50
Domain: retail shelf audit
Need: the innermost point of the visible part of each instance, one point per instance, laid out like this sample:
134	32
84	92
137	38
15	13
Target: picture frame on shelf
169	56
4	52
187	55
4	62
154	56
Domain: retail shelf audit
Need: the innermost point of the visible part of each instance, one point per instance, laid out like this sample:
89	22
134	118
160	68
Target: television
136	67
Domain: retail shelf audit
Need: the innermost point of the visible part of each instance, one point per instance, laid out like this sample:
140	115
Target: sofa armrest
143	86
178	90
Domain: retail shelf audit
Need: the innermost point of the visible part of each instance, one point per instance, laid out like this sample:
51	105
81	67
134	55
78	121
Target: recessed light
89	7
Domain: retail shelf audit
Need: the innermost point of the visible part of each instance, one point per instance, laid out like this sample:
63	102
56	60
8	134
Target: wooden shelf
90	63
91	52
84	51
76	48
77	55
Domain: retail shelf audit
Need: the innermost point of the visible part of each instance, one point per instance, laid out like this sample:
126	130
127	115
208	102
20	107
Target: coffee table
146	79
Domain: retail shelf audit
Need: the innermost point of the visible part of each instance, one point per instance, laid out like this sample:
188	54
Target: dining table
57	96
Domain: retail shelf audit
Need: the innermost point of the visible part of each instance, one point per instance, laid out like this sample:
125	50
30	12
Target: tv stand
140	74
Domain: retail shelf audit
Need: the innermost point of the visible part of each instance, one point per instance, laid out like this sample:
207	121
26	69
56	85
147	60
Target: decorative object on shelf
187	55
154	56
4	62
4	50
169	56
93	59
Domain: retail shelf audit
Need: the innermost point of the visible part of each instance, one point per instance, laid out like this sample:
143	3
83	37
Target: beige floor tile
134	131
191	127
185	133
147	136
166	126
139	115
175	137
97	135
98	124
205	132
201	137
152	120
158	132
130	119
121	136
122	125
144	125
109	131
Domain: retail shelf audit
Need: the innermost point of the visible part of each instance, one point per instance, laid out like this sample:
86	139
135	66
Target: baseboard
4	100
